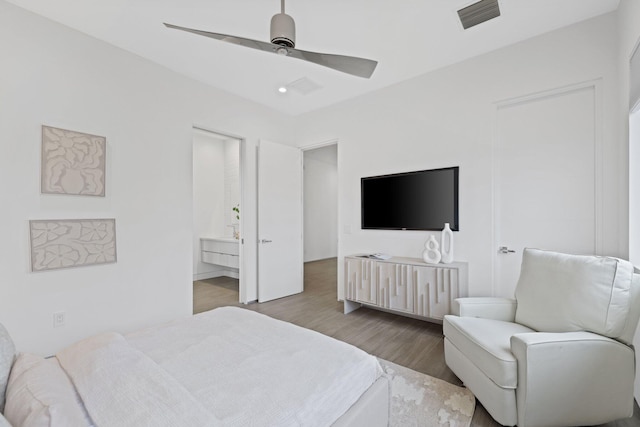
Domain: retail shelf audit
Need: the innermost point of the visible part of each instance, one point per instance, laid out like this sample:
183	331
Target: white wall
446	118
629	37
321	203
208	197
53	75
231	185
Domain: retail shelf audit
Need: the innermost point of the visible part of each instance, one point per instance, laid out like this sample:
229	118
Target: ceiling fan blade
360	67
355	66
254	44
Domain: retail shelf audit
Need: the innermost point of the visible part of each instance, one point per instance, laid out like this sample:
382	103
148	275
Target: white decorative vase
446	244
431	254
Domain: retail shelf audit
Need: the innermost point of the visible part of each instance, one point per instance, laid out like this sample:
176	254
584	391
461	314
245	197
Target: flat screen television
420	200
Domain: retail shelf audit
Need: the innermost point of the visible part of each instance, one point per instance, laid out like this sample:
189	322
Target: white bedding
121	386
229	366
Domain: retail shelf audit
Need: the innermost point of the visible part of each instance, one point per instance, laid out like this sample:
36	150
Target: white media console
407	286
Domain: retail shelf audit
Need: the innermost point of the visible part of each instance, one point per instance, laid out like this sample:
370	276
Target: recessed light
282	89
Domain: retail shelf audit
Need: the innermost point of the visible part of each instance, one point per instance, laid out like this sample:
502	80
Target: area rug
418	400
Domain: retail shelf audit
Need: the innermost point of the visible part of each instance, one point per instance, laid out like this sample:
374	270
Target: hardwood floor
413	343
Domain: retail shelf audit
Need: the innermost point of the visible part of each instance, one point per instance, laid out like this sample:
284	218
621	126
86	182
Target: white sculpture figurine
431	253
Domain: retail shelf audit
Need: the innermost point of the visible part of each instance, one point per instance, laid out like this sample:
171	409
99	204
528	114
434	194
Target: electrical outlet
59	319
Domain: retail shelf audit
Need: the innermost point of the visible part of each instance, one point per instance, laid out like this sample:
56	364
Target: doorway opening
634	155
634	185
217	214
320	202
320	208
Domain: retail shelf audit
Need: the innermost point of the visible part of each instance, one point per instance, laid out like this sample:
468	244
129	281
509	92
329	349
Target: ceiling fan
283	41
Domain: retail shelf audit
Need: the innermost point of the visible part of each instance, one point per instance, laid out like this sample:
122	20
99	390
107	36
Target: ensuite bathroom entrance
217	212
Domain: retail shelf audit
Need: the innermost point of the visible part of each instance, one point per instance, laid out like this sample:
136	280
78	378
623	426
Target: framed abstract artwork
71	243
72	162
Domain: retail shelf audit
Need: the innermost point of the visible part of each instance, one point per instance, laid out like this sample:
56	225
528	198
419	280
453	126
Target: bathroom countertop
221	239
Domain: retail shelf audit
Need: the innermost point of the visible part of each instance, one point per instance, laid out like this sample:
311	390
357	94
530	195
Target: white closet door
280	265
545	179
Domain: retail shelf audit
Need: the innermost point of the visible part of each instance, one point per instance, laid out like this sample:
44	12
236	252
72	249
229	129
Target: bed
225	367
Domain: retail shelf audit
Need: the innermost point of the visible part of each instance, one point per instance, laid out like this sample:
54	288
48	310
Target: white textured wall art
72	162
72	243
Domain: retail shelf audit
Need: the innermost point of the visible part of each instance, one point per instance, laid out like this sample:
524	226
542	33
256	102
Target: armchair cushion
487	342
597	287
486	307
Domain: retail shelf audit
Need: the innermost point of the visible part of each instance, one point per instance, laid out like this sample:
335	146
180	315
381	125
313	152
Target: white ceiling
407	38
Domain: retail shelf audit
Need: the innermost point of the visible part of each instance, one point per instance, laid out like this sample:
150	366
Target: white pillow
7	354
563	293
4	422
39	393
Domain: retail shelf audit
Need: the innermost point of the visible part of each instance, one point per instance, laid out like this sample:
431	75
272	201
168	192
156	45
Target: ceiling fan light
283	30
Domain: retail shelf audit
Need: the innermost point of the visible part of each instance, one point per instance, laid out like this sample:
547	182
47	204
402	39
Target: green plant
236	209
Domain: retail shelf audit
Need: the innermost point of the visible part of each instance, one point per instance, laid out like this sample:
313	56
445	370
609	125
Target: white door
545	179
280	269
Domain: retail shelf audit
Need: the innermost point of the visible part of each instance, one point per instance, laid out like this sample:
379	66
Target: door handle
505	250
265	241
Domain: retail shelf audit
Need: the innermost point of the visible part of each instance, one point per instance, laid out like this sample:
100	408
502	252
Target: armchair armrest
486	307
553	367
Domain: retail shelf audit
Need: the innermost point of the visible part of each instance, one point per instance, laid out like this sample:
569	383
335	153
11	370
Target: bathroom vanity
223	251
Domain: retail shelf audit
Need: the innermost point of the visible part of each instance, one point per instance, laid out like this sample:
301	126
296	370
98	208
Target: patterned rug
418	400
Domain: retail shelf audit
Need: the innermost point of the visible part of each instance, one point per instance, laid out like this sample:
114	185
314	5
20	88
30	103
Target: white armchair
560	353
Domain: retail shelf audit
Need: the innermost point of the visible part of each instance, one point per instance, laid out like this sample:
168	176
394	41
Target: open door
280	269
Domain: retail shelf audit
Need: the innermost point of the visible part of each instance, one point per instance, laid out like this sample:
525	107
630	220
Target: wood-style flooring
413	343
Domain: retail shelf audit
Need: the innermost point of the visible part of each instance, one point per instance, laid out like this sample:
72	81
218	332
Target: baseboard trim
214	274
321	259
231	273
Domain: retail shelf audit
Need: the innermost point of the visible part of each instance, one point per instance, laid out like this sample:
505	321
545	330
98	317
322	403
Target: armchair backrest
634	311
559	292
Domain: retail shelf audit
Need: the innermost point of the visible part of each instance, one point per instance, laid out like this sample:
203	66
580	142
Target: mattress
247	366
228	367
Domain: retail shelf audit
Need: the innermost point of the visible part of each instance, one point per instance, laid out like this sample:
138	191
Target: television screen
421	200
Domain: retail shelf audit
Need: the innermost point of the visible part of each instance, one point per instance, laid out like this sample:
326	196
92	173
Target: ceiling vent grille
304	86
478	13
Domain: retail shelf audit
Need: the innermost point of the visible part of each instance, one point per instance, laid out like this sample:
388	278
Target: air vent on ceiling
478	13
304	86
